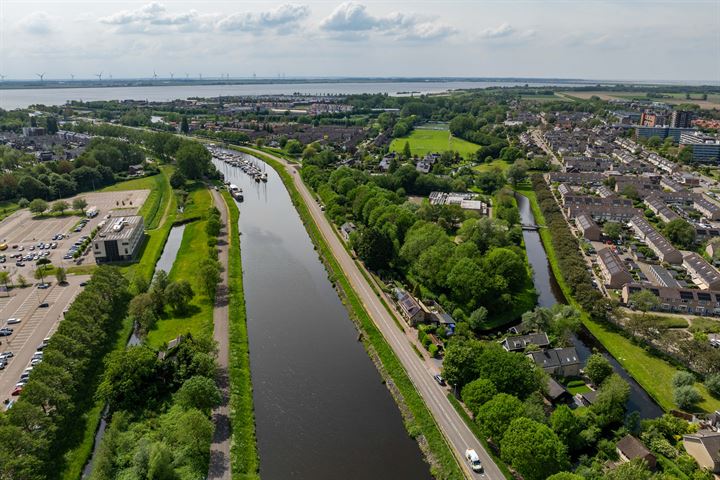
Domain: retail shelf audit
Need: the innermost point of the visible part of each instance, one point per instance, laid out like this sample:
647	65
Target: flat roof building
704	275
119	240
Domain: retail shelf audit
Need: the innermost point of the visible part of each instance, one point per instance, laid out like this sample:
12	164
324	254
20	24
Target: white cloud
283	15
351	20
37	23
155	18
502	30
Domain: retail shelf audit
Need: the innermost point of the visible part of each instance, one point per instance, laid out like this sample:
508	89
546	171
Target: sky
590	39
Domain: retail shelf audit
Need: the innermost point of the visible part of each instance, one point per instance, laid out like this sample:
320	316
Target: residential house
518	343
657	243
661	276
704	447
410	308
630	448
556	393
613	270
558	361
587	226
707	207
704	275
677	299
658	206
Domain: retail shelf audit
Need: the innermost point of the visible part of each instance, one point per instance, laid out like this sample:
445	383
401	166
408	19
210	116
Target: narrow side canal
549	293
321	409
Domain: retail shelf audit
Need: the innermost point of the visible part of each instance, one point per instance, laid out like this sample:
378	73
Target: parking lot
37	309
29	238
36	323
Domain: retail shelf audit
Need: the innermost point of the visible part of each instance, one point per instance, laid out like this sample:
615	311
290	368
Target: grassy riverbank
420	422
652	373
193	249
244	454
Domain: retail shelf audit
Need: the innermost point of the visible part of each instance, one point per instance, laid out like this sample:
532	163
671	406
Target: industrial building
119	240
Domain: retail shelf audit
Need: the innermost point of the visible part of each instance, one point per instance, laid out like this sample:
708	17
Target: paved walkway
457	433
220	446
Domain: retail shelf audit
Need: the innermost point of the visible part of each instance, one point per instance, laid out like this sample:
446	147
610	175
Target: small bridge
530	228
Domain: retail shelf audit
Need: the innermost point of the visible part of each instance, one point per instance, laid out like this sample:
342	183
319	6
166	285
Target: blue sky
599	39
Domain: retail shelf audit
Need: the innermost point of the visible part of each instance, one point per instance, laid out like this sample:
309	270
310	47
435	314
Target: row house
679	300
657	243
704	275
658	206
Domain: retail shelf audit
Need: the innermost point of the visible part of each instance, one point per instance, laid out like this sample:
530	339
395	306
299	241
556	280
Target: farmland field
435	138
713	100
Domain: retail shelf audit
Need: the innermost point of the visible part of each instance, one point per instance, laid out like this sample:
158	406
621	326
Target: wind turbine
99	75
110	75
72	77
172	75
154	75
2	78
200	75
187	75
40	76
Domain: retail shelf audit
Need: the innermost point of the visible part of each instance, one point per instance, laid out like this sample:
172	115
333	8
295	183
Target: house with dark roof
585	399
613	269
587	226
704	275
630	448
556	393
558	361
518	343
704	447
410	308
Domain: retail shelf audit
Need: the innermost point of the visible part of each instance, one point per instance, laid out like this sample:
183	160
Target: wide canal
321	409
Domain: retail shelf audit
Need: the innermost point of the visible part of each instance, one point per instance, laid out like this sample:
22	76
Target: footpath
219	468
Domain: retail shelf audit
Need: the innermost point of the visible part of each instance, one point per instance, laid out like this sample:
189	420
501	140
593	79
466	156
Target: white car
12	321
472	457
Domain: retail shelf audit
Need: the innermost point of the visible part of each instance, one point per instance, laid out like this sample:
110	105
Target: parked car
7	355
43	286
440	380
12	321
44	305
17	391
472	458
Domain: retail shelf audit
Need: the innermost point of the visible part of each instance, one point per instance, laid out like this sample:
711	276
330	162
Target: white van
474	460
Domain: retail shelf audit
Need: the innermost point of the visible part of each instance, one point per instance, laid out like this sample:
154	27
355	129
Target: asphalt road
220	466
420	372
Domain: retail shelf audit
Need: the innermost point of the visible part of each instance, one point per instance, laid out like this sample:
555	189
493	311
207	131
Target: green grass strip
244	454
420	422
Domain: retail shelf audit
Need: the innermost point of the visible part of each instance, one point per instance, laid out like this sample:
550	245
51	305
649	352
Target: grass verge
652	373
193	249
243	454
423	141
420	422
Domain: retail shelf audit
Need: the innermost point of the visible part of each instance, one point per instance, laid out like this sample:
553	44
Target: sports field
435	138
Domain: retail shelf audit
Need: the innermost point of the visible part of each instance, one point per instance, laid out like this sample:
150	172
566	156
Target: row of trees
567	252
160	426
483	266
43	424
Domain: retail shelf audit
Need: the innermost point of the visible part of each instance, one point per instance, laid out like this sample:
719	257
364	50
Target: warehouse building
119	240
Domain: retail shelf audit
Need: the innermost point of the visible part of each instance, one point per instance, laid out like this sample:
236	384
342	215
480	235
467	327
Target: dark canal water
167	258
321	409
549	294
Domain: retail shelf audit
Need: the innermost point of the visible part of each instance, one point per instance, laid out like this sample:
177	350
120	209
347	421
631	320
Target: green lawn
497	163
424	140
244	455
576	386
193	249
652	373
7	208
